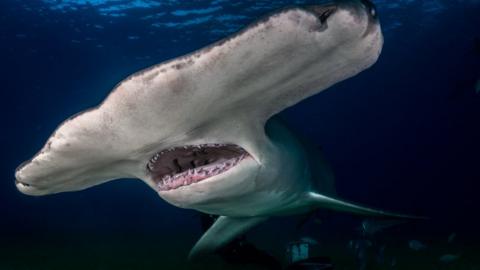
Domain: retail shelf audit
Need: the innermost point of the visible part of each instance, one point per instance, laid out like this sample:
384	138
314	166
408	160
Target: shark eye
324	16
373	11
370	7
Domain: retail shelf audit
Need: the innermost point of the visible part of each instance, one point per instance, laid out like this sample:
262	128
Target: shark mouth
182	166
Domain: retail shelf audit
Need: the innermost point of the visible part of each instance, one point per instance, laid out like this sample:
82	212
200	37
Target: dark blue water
403	135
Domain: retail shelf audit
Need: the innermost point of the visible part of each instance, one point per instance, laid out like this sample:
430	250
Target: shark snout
29	180
29	185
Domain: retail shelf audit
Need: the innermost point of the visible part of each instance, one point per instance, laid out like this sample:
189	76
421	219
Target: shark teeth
173	181
183	165
199	146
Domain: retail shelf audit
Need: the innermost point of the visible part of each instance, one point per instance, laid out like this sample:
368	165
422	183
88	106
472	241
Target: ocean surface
403	136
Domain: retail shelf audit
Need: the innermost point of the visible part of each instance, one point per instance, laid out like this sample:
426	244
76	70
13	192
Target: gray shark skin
196	129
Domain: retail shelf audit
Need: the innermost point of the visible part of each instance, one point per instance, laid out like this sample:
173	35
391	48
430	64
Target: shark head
195	128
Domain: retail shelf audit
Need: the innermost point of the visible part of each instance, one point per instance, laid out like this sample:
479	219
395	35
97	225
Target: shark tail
322	201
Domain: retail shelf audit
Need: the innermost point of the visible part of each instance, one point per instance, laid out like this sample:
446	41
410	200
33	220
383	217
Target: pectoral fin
222	232
322	201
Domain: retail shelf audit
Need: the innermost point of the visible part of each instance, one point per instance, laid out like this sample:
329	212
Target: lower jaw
180	181
31	190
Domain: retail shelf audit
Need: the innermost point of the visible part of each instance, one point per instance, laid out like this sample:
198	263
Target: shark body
199	129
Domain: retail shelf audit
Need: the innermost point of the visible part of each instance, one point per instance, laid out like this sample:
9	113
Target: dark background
403	135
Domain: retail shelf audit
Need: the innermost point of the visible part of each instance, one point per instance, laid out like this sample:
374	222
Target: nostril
324	16
322	12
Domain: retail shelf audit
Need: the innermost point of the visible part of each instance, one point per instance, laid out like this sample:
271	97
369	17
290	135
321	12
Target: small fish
393	262
451	237
350	244
373	226
416	245
380	257
360	248
448	258
309	240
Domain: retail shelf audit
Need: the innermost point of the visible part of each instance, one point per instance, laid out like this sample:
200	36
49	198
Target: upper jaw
187	165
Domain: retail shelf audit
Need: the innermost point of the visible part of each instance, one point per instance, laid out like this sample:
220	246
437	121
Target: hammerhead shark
199	129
